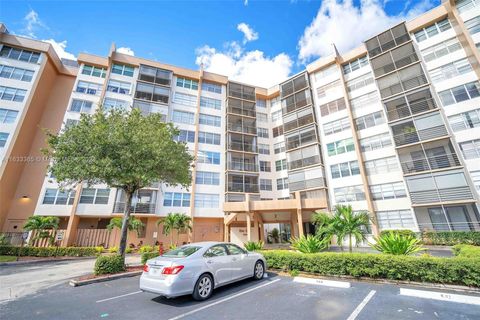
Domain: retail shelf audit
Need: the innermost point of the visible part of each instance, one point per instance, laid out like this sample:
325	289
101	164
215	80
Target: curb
77	283
429	285
27	262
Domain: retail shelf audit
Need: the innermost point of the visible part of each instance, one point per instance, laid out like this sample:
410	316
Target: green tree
179	222
43	227
134	224
122	149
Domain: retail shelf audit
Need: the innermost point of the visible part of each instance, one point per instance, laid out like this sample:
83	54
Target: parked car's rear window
183	251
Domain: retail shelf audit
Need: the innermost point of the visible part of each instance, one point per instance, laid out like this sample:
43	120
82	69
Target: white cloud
32	24
60	49
251	67
126	50
248	33
347	25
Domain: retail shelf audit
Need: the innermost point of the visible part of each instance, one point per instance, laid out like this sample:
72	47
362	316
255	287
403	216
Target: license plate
156	271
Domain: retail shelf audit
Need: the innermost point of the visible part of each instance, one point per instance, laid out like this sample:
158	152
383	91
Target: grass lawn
7	258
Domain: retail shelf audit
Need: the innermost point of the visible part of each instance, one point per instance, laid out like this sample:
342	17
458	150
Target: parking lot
274	297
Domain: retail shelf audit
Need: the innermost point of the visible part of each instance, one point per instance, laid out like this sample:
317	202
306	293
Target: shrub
49	251
397	244
403	232
148	255
113	249
463	271
294	273
253	246
145	248
466	251
450	238
128	250
109	264
3	240
308	244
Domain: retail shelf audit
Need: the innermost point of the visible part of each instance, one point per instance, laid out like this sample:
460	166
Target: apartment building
391	127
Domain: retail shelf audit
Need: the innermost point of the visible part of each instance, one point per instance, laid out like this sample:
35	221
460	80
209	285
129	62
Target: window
186	136
441	49
93	71
461	93
81	106
89	87
187	83
336	126
16	73
470	149
262	117
262	132
304	157
476	179
266	184
282	183
7	115
216	251
19	54
176	199
208	138
12	94
364	101
388	191
94	196
473	25
119	87
261	103
234	249
396	219
279	147
323	91
211	87
155	75
206	200
462	121
123	70
383	165
263	148
110	103
370	120
71	122
359	82
210	103
355	65
209	120
301	137
208	178
332	69
277	131
332	107
277	115
58	197
265	166
3	139
281	165
185	99
349	194
375	142
208	157
450	70
183	117
465	5
432	30
345	169
341	146
151	92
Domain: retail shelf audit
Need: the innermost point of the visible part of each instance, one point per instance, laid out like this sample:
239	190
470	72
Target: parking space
275	297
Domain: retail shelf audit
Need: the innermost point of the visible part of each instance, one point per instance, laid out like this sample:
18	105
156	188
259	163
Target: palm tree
134	224
345	222
183	224
169	223
43	225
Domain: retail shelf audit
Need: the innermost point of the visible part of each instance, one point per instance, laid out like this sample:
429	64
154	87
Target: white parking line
123	295
321	282
223	300
440	296
362	305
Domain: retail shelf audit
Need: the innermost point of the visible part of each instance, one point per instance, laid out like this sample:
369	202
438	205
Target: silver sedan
198	268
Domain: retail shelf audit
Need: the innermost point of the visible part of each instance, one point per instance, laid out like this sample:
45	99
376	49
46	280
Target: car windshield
181	252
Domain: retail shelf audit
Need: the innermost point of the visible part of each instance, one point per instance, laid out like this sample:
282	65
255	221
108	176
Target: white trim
322	282
362	305
443	296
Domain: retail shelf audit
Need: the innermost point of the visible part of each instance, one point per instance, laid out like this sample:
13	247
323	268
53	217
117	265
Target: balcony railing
403	86
242	129
245	146
414	108
119	207
307	184
448	226
431	163
241	111
242	187
292	165
417	135
242	166
441	195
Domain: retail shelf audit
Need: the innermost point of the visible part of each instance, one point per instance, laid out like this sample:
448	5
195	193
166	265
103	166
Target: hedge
450	238
463	271
148	255
403	232
50	251
466	251
109	264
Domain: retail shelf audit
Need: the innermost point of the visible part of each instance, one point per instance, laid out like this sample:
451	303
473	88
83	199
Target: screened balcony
393	60
242	183
459	217
296	101
298	119
241	124
421	128
411	104
302	137
304	157
237	90
242	162
430	156
402	80
239	142
144	201
240	107
294	85
387	40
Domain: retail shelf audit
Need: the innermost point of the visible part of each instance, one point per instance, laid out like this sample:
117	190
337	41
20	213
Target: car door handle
234	259
209	261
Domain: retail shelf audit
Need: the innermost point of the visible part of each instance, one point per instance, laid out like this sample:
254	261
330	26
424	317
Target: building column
249	231
255	226
71	233
300	222
293	232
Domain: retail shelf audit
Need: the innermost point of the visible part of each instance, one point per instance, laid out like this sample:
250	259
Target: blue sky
237	38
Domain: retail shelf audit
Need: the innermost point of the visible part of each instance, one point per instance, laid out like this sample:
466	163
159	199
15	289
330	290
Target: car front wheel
203	288
259	270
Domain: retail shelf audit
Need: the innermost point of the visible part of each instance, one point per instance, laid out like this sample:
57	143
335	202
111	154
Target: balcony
442	161
242	166
305	162
405	110
306	184
411	135
242	128
242	187
242	146
119	207
404	85
441	195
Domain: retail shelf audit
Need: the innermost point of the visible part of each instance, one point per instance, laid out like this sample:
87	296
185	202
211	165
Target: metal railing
241	111
304	162
245	146
242	128
419	135
449	226
431	163
404	85
242	166
411	109
441	195
307	184
119	207
242	187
